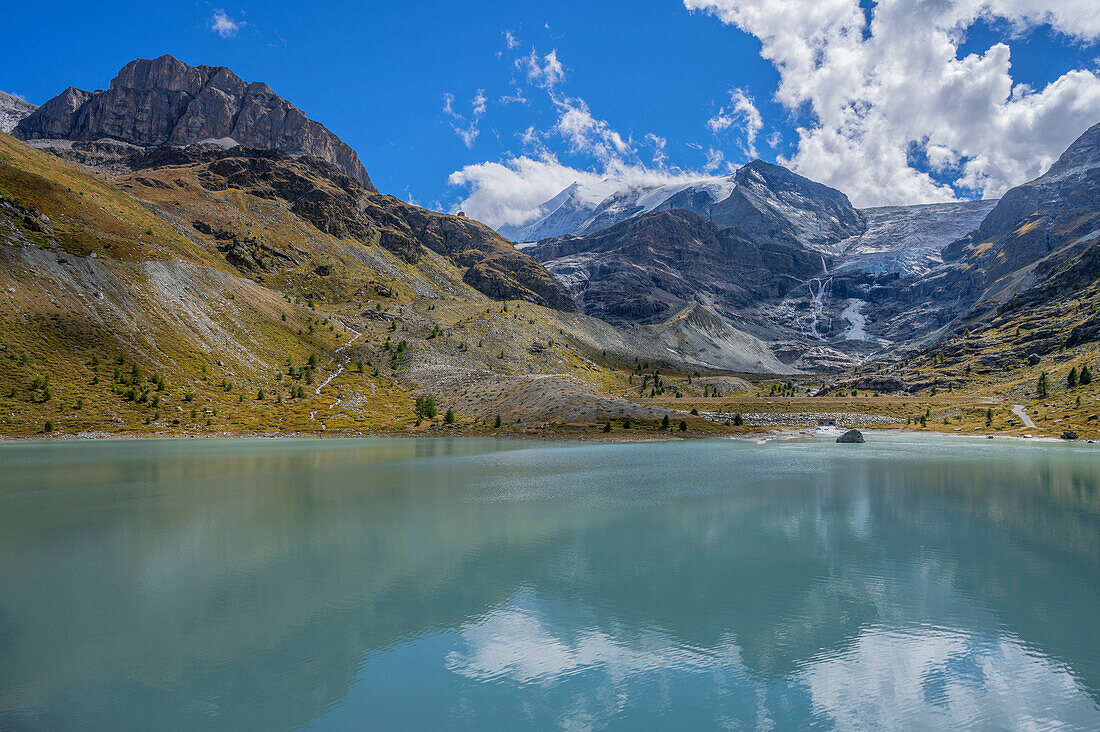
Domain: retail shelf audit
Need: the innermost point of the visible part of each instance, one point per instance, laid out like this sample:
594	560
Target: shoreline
761	437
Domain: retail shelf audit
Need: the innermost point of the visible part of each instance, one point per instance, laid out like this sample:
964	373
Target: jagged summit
763	199
164	101
12	109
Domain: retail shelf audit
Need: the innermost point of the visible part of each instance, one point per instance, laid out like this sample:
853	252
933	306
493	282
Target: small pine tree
1086	375
738	420
1043	387
989	417
607	426
260	395
695	411
48	427
1071	379
626	424
683	426
665	423
425	407
496	422
449	417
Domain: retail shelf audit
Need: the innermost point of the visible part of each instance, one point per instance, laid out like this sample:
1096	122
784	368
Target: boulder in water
851	436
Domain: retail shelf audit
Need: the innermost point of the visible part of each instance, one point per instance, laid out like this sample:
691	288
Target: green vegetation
425	407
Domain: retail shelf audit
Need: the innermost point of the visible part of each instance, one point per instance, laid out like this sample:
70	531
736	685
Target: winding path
343	352
1018	410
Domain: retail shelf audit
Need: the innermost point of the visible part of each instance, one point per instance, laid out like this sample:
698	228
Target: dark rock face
167	102
1069	435
647	268
767	195
1046	221
852	437
334	203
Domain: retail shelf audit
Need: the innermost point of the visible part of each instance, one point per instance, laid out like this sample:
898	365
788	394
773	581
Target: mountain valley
226	266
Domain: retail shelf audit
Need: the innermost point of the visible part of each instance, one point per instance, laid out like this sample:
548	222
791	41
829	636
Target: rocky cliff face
12	110
645	269
334	203
167	102
1049	218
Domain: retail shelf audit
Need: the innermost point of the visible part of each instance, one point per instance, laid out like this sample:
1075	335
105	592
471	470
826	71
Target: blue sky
716	82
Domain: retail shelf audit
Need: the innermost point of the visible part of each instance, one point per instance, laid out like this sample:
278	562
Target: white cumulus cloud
223	25
511	191
886	87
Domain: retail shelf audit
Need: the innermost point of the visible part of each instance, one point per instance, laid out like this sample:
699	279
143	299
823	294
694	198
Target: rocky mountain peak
1081	156
164	101
12	110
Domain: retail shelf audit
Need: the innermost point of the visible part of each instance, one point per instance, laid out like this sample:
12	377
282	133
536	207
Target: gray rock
851	436
1069	435
167	102
1034	359
12	110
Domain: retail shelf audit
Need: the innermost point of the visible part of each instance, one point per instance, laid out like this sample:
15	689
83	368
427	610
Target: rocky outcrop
12	111
335	204
165	101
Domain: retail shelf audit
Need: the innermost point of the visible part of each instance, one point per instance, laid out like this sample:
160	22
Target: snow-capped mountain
562	214
586	209
766	201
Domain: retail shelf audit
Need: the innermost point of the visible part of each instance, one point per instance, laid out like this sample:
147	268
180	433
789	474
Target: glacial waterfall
818	308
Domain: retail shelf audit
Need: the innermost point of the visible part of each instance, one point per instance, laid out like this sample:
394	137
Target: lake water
424	584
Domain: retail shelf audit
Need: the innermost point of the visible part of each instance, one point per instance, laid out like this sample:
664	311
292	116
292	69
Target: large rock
167	102
851	437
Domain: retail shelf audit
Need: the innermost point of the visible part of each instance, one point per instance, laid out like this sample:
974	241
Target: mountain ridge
164	101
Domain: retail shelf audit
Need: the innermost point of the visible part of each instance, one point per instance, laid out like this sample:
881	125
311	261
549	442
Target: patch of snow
853	313
225	143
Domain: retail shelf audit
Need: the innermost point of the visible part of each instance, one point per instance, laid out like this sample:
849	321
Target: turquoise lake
909	583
